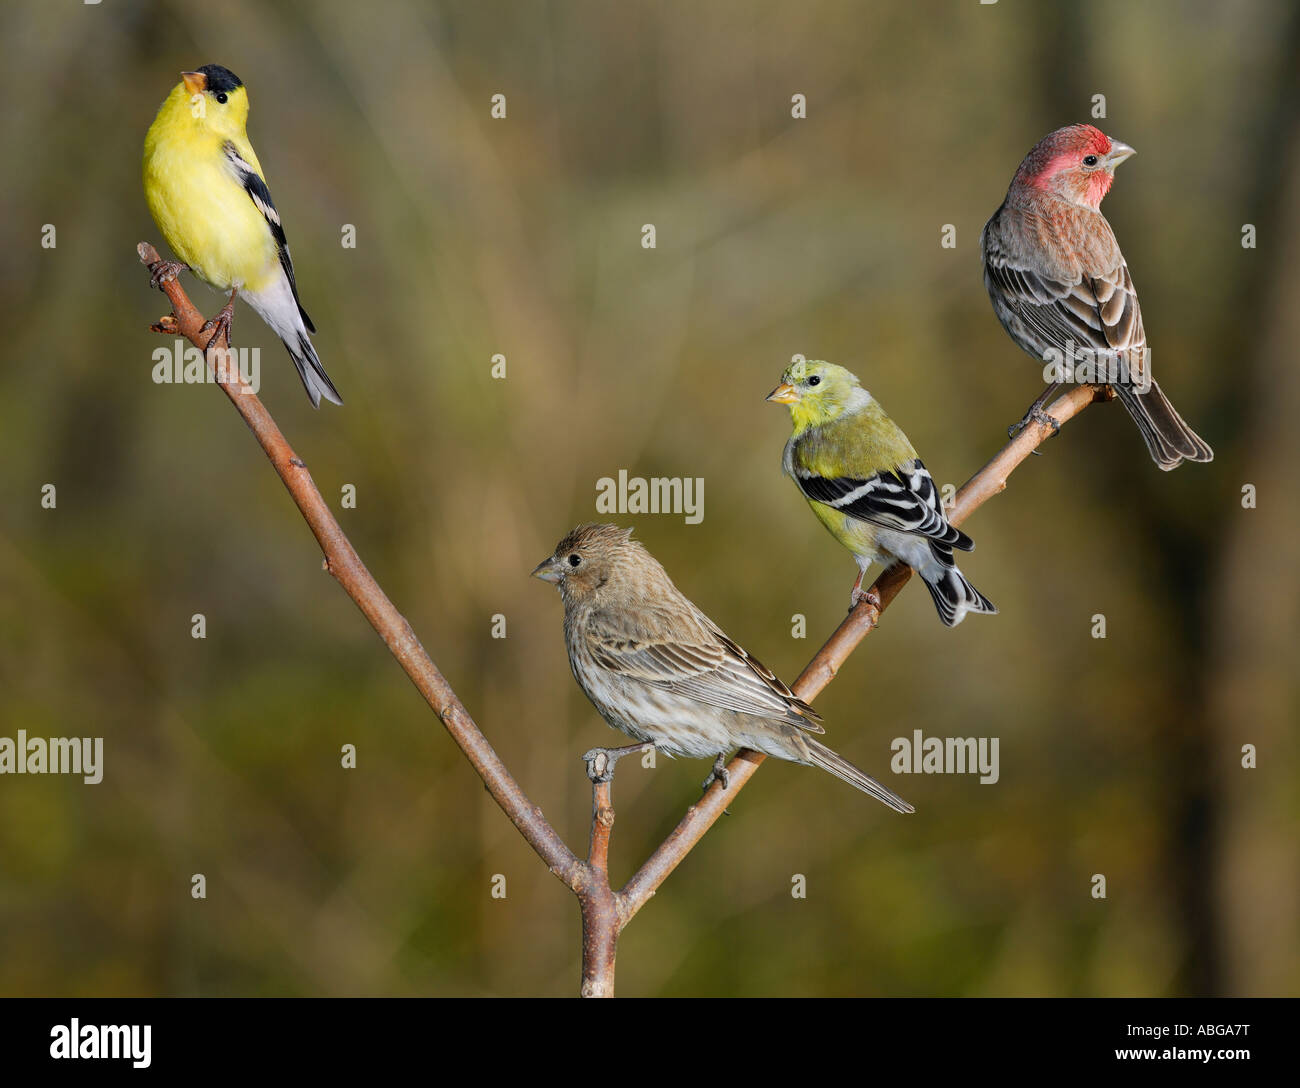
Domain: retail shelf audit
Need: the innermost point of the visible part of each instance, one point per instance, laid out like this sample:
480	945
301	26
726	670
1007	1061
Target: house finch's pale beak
195	82
785	393
548	570
1118	153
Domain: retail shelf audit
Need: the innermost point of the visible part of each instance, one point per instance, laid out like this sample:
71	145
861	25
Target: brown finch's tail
821	756
1170	440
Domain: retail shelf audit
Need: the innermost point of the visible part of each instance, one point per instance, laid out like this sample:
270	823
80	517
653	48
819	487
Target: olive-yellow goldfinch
207	195
659	670
865	482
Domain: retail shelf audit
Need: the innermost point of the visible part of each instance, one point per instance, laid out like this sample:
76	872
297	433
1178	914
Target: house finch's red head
1077	163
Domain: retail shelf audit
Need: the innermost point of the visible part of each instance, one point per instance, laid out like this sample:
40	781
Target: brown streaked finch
1062	290
659	670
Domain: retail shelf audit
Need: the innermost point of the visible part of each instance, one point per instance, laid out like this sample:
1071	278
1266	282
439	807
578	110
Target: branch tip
600	761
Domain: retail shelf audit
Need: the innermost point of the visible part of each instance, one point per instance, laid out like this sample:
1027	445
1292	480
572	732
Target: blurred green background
522	236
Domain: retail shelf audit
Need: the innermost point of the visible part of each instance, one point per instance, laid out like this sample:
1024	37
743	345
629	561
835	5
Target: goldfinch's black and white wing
255	186
903	499
278	304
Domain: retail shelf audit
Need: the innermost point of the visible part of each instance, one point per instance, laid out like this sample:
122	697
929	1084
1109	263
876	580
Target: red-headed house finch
659	670
1059	282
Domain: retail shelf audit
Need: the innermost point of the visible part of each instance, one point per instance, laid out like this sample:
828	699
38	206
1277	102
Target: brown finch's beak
785	393
195	82
548	570
1118	153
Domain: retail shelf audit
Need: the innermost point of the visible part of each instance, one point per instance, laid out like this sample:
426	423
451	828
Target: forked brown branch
604	911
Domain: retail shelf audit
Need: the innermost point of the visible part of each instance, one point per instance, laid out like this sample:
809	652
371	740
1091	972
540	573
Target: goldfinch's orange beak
195	82
785	393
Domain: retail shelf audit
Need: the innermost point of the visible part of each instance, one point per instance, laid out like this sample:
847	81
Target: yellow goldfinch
865	482
207	195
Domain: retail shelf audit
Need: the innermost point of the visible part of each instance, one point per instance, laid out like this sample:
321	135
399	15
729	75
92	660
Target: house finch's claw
719	774
1039	416
161	272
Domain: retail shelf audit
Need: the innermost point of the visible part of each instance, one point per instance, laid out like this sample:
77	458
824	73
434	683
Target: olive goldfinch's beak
1118	153
195	82
548	570
785	393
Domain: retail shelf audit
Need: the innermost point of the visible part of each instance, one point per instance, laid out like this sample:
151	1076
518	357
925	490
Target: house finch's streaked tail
1059	281
659	670
866	484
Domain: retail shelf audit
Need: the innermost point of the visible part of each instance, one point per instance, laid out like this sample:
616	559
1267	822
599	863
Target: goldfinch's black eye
221	97
1090	160
574	560
815	380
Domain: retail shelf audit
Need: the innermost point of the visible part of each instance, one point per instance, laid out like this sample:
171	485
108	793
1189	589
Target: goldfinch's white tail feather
314	379
841	768
278	307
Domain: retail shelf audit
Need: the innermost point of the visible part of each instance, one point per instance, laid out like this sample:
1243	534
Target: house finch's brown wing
1097	309
689	656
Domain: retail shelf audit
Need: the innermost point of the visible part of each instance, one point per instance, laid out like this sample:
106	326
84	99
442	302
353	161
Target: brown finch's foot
161	272
1035	415
220	322
600	761
719	773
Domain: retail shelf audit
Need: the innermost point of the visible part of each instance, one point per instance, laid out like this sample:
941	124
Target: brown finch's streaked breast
659	670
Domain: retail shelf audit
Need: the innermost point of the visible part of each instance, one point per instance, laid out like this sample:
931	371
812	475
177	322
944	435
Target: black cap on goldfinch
213	78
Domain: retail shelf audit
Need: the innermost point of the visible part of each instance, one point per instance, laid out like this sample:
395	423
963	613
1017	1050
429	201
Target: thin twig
342	561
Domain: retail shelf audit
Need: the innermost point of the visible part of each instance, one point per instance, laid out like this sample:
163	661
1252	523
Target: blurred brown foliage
521	236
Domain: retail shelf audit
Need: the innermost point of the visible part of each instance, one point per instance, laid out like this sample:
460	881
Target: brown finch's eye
815	380
1090	160
574	560
221	97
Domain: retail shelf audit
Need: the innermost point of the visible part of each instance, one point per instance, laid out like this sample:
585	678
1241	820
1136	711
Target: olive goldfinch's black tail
954	596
